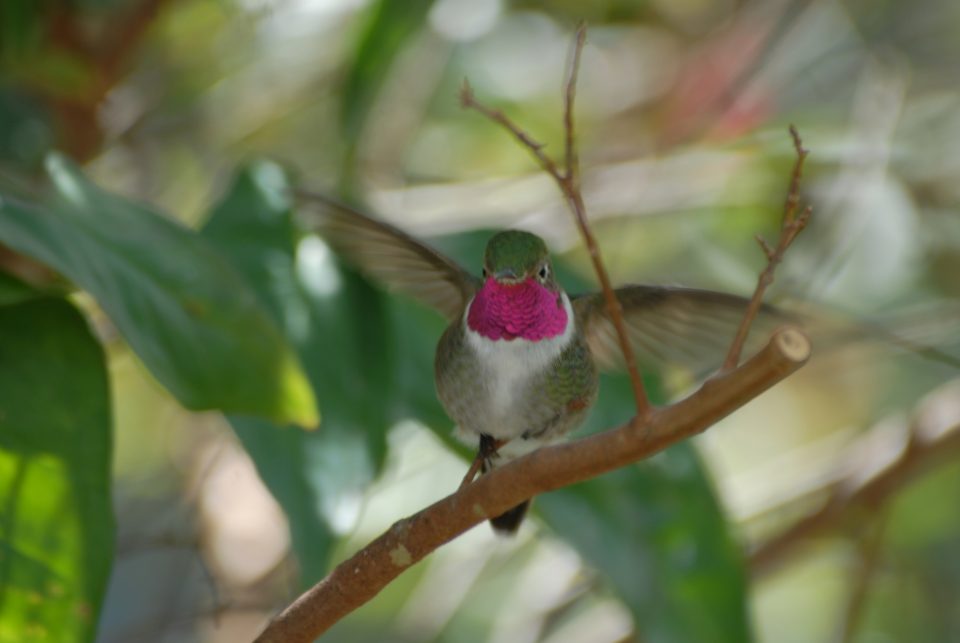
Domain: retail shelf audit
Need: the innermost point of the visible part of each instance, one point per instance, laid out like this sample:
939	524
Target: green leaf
20	26
56	521
191	318
13	291
657	533
341	327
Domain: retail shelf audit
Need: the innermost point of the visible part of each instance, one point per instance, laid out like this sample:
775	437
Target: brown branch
362	576
568	181
858	490
790	227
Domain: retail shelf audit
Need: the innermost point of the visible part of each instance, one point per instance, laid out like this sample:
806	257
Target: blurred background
683	107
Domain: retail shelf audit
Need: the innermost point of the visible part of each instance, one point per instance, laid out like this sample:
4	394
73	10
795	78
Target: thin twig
793	194
363	575
568	181
790	227
469	101
571	162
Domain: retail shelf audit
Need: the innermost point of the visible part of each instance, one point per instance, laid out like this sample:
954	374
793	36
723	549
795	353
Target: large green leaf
341	328
12	290
657	533
183	308
56	521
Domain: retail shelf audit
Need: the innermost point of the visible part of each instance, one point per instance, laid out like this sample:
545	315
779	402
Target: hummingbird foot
508	522
489	447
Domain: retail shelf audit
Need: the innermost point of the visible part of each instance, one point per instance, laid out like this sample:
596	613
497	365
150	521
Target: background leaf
184	310
12	290
659	536
341	329
56	520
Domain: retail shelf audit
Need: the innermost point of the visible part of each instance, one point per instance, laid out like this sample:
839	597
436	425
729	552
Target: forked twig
469	101
790	227
568	180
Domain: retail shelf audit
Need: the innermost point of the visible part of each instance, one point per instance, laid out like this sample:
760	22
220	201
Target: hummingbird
517	366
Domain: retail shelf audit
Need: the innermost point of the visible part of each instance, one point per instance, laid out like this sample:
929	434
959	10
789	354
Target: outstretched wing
390	256
671	326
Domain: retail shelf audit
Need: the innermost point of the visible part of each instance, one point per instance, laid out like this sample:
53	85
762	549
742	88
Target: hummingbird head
520	297
514	256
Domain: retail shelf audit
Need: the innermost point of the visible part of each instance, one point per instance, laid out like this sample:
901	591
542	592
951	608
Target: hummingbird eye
483	271
544	271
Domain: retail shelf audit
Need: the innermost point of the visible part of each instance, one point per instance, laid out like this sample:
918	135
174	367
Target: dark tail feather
508	522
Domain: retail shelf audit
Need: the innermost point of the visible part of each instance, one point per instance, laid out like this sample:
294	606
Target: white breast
507	365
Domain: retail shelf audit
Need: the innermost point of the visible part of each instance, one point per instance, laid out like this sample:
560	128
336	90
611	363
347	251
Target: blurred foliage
188	316
228	305
56	526
656	531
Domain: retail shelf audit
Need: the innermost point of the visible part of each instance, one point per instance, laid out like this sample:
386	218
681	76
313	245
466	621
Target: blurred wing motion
672	326
391	256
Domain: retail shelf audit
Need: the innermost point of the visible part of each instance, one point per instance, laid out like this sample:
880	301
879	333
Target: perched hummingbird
517	366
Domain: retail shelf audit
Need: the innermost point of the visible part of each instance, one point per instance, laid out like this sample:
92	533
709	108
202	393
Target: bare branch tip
798	142
793	344
581	34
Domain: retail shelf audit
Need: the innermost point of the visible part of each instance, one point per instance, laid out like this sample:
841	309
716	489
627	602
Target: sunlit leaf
181	306
56	520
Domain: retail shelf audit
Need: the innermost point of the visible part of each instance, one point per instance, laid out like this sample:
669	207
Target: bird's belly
508	400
